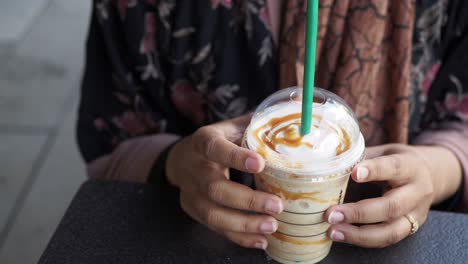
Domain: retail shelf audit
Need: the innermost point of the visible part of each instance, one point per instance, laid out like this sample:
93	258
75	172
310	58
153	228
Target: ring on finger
414	224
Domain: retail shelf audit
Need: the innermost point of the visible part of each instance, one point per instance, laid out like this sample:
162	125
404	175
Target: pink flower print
133	123
100	124
226	3
122	6
265	17
148	42
457	104
188	101
429	78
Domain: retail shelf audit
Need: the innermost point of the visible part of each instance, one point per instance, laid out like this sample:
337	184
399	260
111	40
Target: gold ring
414	224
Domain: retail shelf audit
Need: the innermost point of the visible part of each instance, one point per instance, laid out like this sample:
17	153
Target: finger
218	149
390	167
393	204
241	197
247	240
372	236
227	219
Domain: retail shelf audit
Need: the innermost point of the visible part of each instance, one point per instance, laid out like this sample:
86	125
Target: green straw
309	66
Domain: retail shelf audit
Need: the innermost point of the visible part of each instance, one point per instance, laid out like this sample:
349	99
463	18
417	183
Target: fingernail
273	207
261	244
362	173
335	217
252	164
268	227
337	236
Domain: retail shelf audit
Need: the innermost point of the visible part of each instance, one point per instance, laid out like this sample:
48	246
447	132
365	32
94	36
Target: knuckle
212	217
252	201
393	209
396	163
208	146
376	171
234	157
204	141
215	190
356	214
245	226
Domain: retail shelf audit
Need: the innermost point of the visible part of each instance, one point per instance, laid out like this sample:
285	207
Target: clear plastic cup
309	173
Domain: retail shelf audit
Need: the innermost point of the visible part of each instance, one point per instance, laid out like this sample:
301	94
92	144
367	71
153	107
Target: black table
131	223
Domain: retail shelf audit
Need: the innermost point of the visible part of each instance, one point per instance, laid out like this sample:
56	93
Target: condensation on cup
309	173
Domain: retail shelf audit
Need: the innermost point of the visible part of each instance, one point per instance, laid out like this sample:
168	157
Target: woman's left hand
413	181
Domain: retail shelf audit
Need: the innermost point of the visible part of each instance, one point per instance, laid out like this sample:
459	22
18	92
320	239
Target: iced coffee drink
309	173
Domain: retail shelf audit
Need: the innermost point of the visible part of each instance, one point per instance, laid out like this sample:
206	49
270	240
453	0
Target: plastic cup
309	173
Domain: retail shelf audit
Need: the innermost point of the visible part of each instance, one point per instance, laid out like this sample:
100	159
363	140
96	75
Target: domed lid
335	140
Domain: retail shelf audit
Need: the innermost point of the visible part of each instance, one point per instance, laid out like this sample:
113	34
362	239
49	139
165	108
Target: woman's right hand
199	166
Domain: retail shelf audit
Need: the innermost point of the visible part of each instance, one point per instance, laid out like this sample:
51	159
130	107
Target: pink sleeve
132	160
453	136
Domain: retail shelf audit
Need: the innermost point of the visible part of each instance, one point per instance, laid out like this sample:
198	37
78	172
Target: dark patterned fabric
363	55
171	66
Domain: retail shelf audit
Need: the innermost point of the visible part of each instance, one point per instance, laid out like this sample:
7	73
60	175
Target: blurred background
41	60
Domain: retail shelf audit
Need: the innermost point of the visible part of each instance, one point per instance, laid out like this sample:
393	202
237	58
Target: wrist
171	163
158	172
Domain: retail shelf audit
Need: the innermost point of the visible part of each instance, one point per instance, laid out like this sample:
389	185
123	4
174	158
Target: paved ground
41	58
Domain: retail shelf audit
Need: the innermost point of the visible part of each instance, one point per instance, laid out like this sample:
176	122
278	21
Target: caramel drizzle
345	143
299	241
291	137
291	196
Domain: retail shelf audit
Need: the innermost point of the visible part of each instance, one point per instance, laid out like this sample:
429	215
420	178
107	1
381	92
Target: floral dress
171	66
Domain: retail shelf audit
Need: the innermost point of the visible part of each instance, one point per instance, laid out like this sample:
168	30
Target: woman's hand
199	167
415	177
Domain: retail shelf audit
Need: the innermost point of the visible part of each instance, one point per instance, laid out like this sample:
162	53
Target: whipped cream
275	134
